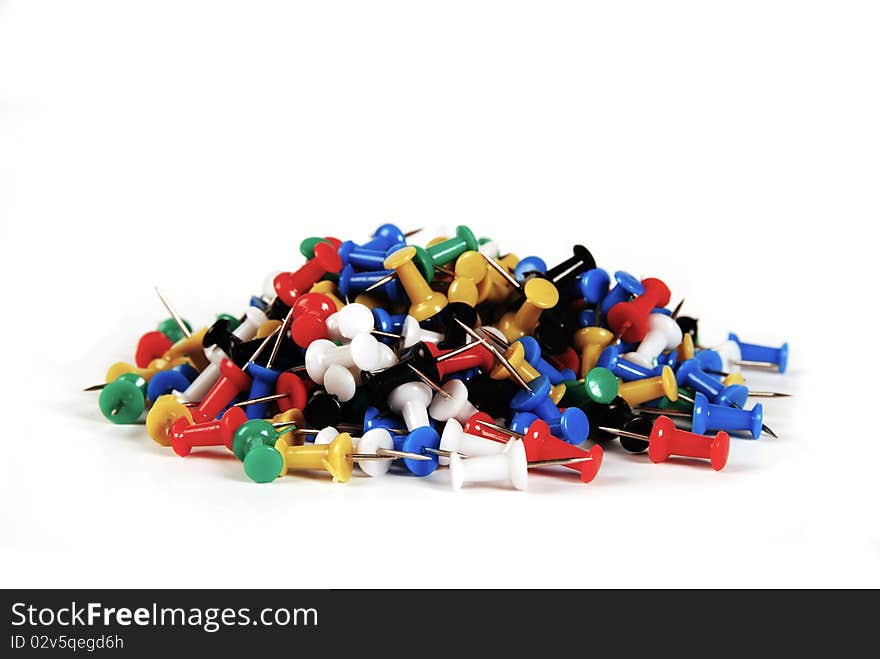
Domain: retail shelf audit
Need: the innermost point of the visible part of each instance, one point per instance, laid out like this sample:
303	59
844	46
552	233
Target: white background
728	148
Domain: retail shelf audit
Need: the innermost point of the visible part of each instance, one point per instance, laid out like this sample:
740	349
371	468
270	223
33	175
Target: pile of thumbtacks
387	355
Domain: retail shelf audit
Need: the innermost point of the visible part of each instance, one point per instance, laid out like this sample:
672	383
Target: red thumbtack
666	440
294	390
310	312
151	345
472	355
232	381
539	443
290	285
629	320
185	435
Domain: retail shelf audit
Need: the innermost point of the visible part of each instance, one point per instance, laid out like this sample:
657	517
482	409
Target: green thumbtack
448	250
600	386
123	400
169	328
254	444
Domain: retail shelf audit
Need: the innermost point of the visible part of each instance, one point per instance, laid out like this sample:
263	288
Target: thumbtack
666	440
540	294
738	406
542	448
455	440
424	302
375	445
758	356
572	424
581	261
174	314
637	392
510	464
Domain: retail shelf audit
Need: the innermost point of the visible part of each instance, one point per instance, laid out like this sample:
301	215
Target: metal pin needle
424	378
174	314
501	270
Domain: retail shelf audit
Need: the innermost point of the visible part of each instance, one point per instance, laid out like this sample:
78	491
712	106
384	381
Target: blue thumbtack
691	375
626	287
758	356
571	425
174	379
385	236
594	285
521	421
387	322
373	418
532	354
708	417
416	442
258	302
710	361
262	385
667	359
365	259
587	318
624	369
351	283
529	264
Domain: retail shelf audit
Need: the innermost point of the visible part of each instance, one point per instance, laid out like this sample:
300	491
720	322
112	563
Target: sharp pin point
367	457
390	335
624	433
560	461
440	452
768	394
380	282
745	363
174	314
507	431
392	453
261	399
677	309
501	270
665	411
